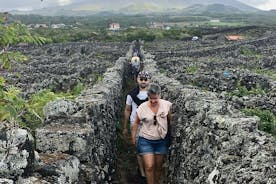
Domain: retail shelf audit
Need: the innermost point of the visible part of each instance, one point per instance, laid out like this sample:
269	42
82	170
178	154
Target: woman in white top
153	140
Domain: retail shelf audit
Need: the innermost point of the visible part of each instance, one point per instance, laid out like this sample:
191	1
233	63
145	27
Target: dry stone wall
242	72
215	143
16	152
86	128
60	67
76	144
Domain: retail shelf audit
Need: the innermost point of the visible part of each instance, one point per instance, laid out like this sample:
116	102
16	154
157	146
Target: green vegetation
13	108
226	24
11	104
246	51
243	91
191	69
65	34
12	34
95	27
29	113
270	73
267	119
249	52
76	34
33	116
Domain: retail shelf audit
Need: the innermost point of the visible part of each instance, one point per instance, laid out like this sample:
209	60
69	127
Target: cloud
31	4
254	2
270	4
64	2
261	4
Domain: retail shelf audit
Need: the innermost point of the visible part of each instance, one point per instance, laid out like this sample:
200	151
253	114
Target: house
215	20
114	26
166	27
40	26
234	37
195	38
156	25
58	26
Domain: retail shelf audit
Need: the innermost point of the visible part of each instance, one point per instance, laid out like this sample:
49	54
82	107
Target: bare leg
158	161
149	167
140	165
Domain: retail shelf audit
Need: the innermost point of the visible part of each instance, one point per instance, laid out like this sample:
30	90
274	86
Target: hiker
134	98
135	65
153	117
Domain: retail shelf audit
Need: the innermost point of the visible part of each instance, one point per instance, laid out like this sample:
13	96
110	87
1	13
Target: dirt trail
127	166
126	172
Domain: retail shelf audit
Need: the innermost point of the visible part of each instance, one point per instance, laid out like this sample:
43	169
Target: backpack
133	93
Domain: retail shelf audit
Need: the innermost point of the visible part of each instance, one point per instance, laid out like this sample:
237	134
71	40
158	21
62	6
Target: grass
191	69
241	91
268	72
267	119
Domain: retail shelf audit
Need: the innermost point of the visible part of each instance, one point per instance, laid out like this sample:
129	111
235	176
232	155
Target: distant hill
85	7
211	9
141	8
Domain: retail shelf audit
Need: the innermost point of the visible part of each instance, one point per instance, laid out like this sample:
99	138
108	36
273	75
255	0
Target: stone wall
215	143
76	143
86	127
16	152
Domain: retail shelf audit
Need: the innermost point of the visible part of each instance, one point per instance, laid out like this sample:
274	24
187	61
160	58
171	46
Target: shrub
191	69
246	51
243	91
267	119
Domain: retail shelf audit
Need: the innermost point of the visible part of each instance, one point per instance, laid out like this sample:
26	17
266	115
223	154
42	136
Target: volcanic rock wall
215	143
76	144
86	128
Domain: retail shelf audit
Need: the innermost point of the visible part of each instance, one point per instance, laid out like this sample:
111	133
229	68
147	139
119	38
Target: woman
152	143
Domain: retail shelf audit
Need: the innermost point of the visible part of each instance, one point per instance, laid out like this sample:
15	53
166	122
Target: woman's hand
125	132
134	129
134	141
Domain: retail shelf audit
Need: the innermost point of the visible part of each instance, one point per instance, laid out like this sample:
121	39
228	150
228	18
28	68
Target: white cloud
64	2
270	4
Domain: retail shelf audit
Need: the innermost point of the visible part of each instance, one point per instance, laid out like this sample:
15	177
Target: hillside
86	7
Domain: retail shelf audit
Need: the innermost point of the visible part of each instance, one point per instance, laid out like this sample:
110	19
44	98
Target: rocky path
126	171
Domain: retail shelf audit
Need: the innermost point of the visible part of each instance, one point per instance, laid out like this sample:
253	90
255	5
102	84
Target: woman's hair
154	89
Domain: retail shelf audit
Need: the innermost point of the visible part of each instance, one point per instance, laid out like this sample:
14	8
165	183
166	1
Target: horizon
11	5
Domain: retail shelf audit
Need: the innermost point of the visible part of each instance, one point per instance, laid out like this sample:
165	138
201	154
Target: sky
6	5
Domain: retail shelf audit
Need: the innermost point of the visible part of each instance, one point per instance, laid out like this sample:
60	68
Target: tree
12	34
12	106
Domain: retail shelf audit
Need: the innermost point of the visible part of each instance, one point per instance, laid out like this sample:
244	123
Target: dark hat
144	74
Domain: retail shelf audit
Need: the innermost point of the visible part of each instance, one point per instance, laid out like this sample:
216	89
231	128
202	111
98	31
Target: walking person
135	65
134	98
154	116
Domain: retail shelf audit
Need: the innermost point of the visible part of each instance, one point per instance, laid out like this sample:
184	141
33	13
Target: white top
142	95
145	114
135	61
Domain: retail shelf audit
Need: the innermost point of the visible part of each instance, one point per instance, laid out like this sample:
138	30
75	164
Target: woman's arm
134	129
170	119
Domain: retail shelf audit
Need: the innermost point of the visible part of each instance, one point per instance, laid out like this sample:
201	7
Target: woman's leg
158	161
149	167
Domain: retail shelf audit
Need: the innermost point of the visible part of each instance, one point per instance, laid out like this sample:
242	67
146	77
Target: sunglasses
154	120
143	79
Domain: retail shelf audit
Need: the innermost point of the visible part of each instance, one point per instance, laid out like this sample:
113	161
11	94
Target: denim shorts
146	146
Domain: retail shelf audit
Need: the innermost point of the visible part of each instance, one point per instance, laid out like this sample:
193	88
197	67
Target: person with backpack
154	117
135	97
135	65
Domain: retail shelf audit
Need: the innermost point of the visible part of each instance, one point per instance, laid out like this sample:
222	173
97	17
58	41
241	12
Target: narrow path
126	171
